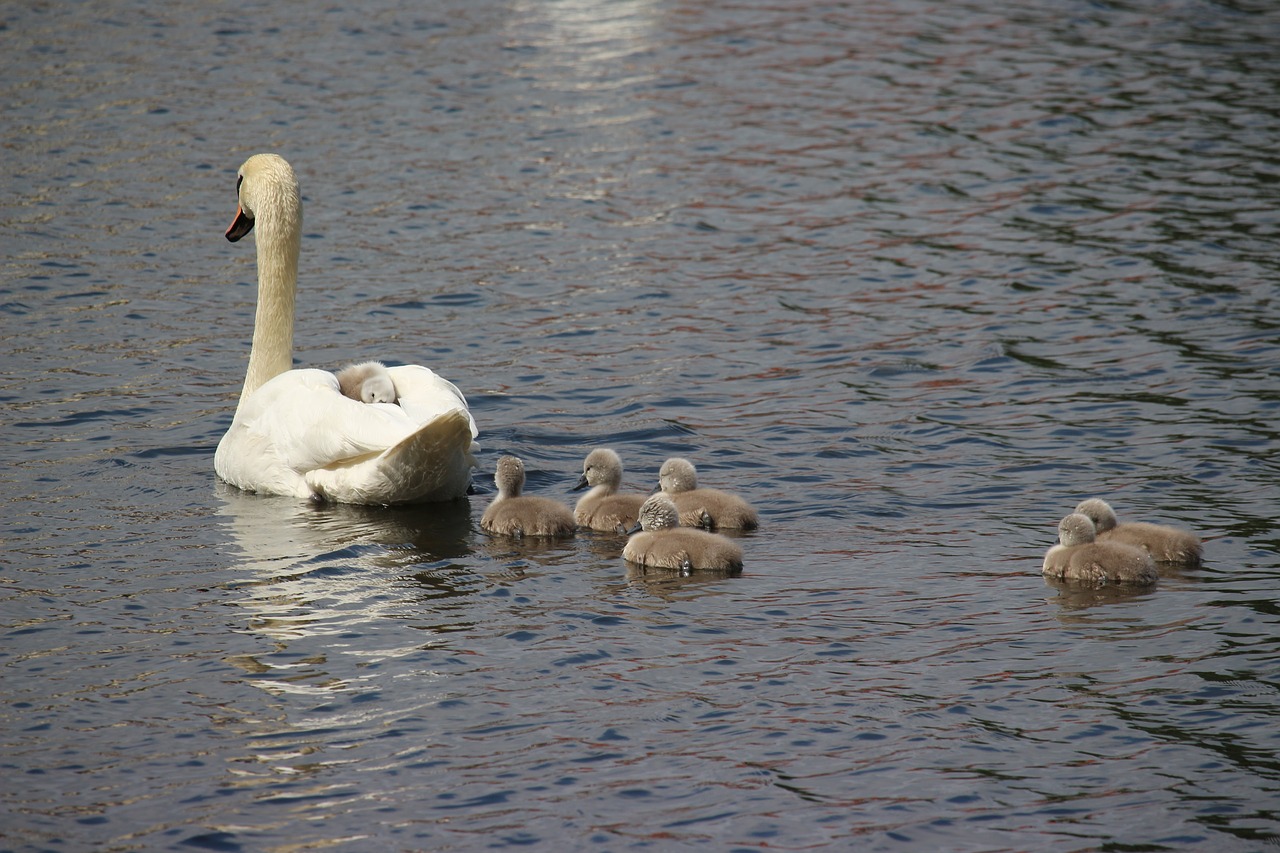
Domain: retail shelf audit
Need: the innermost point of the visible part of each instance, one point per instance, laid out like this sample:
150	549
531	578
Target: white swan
294	433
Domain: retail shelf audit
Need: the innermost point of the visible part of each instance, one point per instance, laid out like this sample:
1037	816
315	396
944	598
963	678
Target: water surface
914	278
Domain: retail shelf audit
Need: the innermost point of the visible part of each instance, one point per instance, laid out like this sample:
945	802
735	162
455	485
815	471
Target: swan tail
431	465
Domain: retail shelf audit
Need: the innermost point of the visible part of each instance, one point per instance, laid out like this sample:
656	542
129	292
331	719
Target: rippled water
912	277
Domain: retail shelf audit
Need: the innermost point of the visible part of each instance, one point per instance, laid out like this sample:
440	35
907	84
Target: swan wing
311	425
425	395
432	464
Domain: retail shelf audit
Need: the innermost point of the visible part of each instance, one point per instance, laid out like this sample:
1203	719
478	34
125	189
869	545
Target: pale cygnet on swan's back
1078	556
663	544
1164	544
710	508
603	508
514	514
368	382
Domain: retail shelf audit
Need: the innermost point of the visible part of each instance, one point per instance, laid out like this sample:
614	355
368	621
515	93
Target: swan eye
239	181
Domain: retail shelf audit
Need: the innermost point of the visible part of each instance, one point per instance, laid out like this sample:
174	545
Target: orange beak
240	226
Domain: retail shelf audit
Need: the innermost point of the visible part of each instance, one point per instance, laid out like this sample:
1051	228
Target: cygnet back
662	544
1164	544
709	508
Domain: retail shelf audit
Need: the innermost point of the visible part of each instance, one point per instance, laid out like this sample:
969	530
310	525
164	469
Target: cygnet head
659	513
1075	529
601	467
1099	512
368	382
509	476
266	187
677	475
378	389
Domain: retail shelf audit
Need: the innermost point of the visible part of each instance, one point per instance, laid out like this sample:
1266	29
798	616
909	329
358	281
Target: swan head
509	476
658	512
1075	529
268	194
601	467
1099	512
677	475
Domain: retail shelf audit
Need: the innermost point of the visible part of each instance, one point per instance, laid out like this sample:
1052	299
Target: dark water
912	277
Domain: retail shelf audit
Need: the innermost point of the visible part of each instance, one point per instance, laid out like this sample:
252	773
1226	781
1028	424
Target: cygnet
368	382
514	514
709	508
603	508
661	543
1164	544
1078	556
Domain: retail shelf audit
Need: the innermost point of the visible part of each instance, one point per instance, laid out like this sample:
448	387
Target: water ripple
915	279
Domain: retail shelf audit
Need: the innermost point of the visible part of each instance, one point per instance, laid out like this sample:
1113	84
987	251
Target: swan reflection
308	568
269	529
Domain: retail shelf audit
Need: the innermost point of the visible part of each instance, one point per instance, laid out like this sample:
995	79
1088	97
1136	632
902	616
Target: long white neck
279	238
